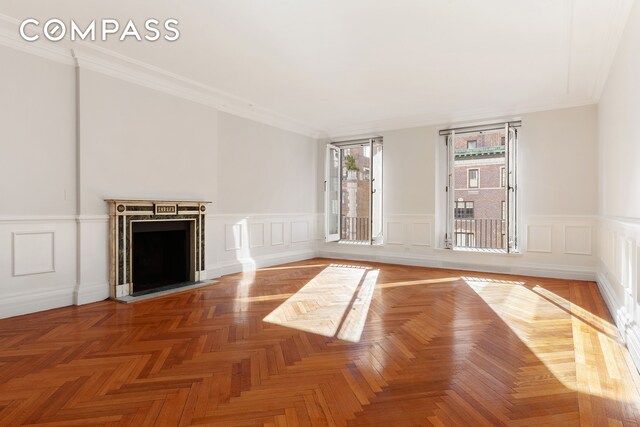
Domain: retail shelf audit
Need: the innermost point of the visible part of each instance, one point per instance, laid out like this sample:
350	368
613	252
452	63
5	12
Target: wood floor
328	343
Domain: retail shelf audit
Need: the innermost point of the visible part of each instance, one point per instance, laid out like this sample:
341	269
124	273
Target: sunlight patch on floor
533	315
334	303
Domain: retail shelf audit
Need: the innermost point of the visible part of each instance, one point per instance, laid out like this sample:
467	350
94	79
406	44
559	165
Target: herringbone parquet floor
289	345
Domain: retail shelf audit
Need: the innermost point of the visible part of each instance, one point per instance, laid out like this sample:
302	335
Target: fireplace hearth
155	245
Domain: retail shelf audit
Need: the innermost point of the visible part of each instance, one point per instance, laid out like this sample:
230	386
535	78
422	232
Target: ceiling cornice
98	59
386	125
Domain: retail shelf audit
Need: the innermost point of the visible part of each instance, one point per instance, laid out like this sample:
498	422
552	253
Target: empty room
319	213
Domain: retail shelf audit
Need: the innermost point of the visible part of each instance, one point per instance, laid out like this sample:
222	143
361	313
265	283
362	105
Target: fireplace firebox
161	255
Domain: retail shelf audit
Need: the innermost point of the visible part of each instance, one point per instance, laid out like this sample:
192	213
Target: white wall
37	182
133	142
619	155
139	142
37	126
558	182
267	209
265	169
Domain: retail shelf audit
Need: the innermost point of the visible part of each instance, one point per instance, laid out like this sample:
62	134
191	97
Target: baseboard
35	301
628	328
85	294
514	267
253	263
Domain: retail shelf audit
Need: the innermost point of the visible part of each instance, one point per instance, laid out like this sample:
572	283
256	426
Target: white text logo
55	30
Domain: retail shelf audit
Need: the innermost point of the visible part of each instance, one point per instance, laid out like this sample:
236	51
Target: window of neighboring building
503	177
472	144
473	178
465	240
463	210
504	210
502	140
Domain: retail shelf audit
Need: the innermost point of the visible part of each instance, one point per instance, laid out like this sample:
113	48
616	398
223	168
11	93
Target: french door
353	192
481	187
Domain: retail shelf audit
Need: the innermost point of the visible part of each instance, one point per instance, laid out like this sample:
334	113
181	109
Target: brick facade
485	153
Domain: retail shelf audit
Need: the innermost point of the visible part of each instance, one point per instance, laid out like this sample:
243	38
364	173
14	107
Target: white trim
253	216
21	219
253	263
9	37
385	125
15	305
86	294
564	238
98	59
52	269
570	272
628	328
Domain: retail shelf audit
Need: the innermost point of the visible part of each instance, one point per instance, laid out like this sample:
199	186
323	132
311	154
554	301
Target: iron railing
480	233
355	228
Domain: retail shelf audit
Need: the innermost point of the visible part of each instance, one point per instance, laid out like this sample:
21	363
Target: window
353	191
472	178
488	222
473	143
465	240
464	210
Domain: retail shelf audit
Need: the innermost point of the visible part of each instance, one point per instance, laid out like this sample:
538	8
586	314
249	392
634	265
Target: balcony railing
480	233
355	228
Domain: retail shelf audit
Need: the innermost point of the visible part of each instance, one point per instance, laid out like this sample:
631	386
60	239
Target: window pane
478	183
473	178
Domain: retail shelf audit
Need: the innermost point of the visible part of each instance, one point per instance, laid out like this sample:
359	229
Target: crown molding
10	37
98	59
95	58
385	125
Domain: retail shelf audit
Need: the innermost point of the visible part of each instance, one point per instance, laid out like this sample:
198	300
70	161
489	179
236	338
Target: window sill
481	251
354	242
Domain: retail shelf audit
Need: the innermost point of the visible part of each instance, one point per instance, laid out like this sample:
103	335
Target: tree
350	163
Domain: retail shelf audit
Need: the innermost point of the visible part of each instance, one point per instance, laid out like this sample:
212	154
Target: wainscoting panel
539	238
413	239
233	237
395	233
289	238
256	235
299	231
619	277
577	240
421	234
277	233
33	252
37	263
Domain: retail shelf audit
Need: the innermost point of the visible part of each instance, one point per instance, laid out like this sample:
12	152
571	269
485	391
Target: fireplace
155	245
161	253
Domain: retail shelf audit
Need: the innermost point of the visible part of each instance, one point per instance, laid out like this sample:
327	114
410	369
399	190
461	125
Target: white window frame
512	196
477	177
376	218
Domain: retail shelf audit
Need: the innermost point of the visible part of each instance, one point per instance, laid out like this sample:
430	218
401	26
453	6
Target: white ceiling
353	66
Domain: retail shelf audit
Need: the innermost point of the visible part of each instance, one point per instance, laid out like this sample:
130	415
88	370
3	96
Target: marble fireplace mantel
124	212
